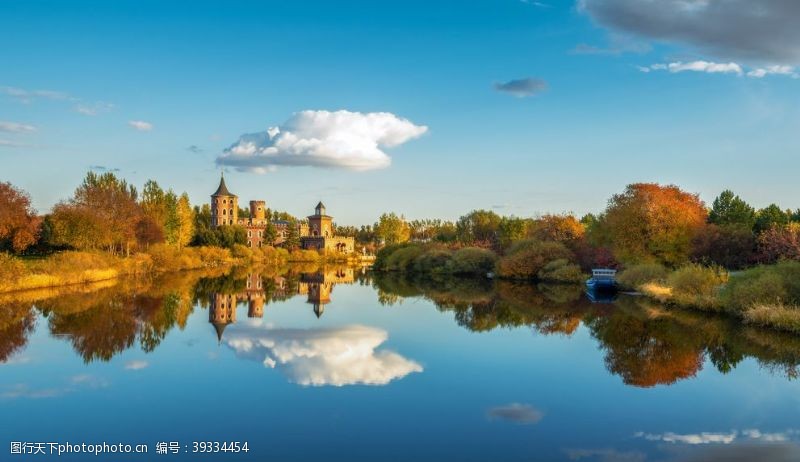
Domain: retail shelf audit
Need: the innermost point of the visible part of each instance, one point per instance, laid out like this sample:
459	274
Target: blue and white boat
603	279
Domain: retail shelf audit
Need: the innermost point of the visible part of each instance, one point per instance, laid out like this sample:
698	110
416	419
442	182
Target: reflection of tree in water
103	323
17	321
647	352
646	344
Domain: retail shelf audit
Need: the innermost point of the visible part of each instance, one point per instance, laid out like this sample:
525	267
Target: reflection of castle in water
318	288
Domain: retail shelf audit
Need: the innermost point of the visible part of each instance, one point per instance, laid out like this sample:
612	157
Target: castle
317	286
318	234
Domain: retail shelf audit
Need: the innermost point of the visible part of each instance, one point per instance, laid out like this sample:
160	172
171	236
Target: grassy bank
73	267
69	268
766	295
530	260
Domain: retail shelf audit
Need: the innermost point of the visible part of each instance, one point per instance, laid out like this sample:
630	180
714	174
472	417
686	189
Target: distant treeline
646	223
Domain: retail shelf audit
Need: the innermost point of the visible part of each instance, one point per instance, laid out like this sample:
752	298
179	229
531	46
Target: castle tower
224	206
320	224
222	312
319	295
258	212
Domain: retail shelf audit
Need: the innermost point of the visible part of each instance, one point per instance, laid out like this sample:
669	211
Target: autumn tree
558	228
392	229
103	213
19	225
185	221
779	242
651	222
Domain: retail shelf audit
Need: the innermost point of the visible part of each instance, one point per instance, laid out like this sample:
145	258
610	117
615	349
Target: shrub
525	259
764	285
472	260
434	260
696	285
306	256
403	258
11	268
633	277
778	316
561	270
382	256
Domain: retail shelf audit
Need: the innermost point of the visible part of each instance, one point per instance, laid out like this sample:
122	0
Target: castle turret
224	206
258	212
320	224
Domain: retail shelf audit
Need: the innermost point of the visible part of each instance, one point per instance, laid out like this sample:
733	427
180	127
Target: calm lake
342	364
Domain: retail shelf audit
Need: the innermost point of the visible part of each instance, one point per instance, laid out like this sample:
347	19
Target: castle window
223	211
249	234
224	201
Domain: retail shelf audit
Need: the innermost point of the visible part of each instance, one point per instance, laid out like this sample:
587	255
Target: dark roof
222	190
320	205
220	328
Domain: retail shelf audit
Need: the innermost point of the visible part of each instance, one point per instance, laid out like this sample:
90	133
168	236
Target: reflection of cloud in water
25	391
781	452
522	414
605	455
327	356
750	435
136	365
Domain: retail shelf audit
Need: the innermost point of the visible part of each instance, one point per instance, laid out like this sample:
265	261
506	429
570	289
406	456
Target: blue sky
622	91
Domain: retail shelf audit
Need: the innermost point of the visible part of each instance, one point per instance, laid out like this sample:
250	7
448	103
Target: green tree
769	217
729	209
392	229
270	234
511	229
479	227
292	236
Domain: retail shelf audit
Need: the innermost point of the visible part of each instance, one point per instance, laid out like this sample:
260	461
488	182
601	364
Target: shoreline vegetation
665	242
69	268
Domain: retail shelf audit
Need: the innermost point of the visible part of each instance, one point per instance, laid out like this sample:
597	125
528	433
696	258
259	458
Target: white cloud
16	127
28	96
93	109
136	365
141	125
695	66
762	72
10	144
339	139
721	68
338	356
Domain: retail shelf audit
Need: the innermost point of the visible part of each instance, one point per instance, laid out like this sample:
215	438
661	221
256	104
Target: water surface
332	363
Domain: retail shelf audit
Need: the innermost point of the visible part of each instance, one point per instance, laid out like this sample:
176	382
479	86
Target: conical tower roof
220	328
222	190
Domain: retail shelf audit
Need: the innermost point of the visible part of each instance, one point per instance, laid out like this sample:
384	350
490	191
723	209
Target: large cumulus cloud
340	139
337	356
762	31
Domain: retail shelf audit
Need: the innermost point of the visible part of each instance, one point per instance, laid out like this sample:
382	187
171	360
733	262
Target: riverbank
525	260
74	267
767	296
